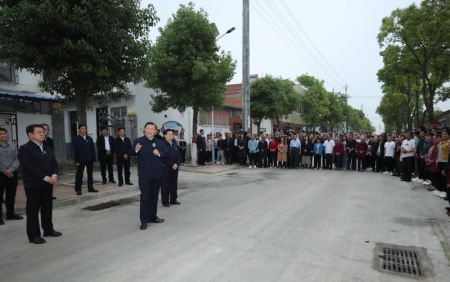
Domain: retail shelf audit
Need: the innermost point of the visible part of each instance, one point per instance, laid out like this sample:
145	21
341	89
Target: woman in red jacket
339	154
361	153
273	152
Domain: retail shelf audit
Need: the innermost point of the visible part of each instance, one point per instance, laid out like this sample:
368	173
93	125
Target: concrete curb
208	169
57	204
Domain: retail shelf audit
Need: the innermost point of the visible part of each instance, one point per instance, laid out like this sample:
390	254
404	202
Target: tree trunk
194	124
81	104
258	126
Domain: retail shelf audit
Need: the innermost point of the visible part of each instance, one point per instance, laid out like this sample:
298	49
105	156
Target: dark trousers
273	158
124	165
421	168
79	175
361	163
317	161
390	163
253	158
169	188
351	161
441	180
328	161
263	159
39	199
201	157
8	186
183	155
294	156
338	161
380	165
407	168
149	188
107	161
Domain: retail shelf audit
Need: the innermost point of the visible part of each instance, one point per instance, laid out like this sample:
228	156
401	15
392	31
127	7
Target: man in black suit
40	173
122	148
84	157
150	155
169	188
48	141
201	147
105	147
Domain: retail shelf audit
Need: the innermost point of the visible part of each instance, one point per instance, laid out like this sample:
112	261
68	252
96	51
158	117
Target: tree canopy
420	35
185	64
272	98
83	50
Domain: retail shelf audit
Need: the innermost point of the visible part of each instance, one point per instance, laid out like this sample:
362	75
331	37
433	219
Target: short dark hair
103	128
81	125
3	129
150	123
120	129
167	131
31	127
44	124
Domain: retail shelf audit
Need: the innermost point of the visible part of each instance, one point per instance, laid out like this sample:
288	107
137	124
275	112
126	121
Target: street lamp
213	149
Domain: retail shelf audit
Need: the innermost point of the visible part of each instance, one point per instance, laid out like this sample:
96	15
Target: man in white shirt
105	154
389	150
328	147
408	150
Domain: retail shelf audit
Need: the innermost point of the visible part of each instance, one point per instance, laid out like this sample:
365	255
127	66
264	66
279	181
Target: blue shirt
295	143
253	146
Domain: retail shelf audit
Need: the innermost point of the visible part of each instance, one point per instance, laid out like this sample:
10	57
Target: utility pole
346	114
246	66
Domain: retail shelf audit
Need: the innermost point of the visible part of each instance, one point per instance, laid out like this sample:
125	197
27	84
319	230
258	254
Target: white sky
343	31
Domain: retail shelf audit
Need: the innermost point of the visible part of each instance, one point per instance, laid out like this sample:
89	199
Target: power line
284	19
282	34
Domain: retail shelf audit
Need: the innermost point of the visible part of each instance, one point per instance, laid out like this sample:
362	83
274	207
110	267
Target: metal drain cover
406	261
111	204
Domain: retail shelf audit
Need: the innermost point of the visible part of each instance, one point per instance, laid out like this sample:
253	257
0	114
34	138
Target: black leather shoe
120	184
37	240
93	191
53	198
1	221
104	181
53	233
175	203
157	220
143	226
129	183
14	217
112	181
166	205
79	193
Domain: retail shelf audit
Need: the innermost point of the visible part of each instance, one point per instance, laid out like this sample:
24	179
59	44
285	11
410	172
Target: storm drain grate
111	204
400	261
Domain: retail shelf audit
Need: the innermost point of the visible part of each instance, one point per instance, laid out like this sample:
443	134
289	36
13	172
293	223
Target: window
7	73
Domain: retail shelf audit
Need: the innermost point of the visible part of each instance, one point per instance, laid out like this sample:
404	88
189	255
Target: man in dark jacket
40	173
171	163
122	148
150	156
84	156
201	148
105	151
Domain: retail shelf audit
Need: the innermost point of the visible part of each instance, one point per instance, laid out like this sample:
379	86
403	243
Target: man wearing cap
171	164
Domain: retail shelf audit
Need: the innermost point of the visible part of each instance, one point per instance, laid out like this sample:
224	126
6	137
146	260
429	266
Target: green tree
314	101
186	66
83	50
272	98
400	76
424	32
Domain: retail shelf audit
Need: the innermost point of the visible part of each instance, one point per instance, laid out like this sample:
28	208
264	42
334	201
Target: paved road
247	225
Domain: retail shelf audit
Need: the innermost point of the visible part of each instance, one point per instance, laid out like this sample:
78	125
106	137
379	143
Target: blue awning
29	96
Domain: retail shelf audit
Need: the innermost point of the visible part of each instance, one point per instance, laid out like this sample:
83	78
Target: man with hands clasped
40	170
171	163
150	157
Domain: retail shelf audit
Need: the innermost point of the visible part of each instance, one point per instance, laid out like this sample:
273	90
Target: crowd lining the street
423	153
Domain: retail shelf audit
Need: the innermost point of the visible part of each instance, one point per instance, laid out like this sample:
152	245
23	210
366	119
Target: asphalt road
244	225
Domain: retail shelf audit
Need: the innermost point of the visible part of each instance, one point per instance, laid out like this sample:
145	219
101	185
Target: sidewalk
64	190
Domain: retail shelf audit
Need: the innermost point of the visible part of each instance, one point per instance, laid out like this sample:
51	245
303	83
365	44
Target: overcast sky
333	40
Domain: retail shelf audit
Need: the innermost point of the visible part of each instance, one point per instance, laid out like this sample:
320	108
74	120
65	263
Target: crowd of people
423	153
159	158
